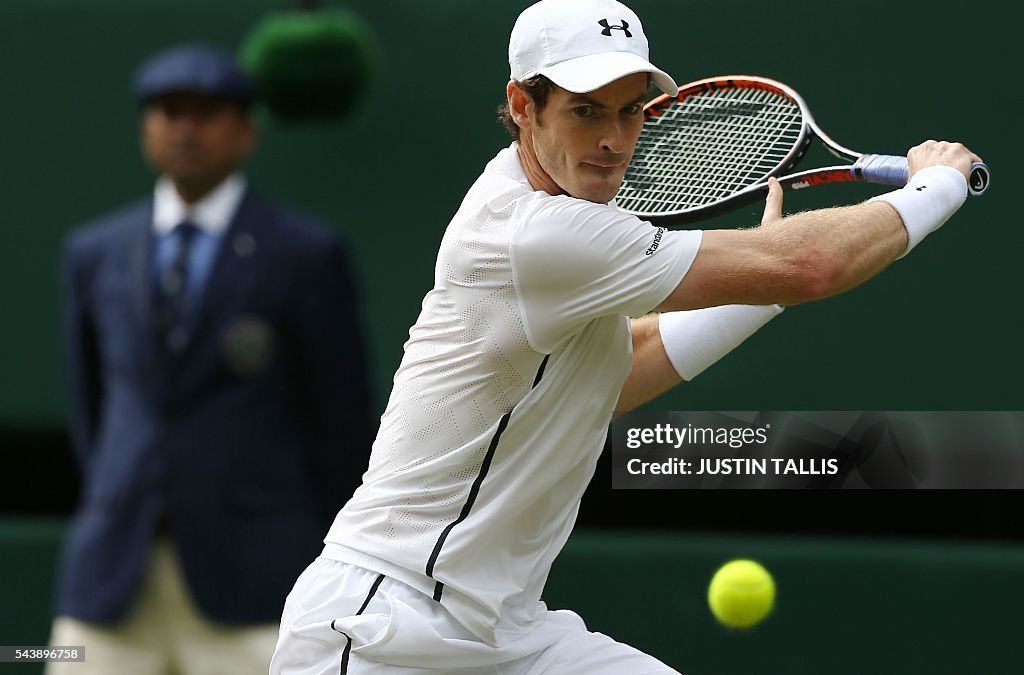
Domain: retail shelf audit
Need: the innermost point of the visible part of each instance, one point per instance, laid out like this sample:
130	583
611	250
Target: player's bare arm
806	256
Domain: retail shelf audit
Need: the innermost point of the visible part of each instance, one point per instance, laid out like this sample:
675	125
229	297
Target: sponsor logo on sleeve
657	241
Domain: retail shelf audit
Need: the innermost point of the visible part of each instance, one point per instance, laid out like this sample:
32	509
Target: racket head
711	145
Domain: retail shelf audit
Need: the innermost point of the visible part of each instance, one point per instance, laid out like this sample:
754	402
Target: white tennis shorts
341	619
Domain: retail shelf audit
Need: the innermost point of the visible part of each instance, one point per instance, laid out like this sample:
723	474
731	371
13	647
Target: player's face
584	141
194	139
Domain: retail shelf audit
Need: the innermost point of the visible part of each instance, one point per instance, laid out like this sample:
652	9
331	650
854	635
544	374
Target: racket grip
893	170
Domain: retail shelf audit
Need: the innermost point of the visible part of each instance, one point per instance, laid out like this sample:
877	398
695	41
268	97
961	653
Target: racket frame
758	190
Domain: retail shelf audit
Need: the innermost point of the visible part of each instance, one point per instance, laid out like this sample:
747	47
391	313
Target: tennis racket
712	147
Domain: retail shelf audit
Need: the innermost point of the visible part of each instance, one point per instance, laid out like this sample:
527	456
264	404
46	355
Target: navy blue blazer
247	441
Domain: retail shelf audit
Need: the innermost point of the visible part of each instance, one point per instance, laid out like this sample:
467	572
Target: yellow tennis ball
741	593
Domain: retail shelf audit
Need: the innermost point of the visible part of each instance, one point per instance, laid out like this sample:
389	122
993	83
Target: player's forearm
855	243
833	250
791	260
816	254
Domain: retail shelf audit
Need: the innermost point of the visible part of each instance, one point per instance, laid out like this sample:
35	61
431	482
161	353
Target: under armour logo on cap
624	27
567	42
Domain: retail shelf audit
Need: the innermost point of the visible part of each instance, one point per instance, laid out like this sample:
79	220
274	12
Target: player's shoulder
544	219
540	206
501	183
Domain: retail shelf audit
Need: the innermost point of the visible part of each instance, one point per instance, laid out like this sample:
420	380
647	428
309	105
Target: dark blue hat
193	68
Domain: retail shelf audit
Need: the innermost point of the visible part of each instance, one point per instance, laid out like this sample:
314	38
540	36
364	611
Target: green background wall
940	330
849	606
937	331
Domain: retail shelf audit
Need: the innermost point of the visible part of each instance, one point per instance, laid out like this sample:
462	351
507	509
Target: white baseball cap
581	45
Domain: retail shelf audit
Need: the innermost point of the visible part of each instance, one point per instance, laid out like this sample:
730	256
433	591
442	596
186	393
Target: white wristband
928	200
697	338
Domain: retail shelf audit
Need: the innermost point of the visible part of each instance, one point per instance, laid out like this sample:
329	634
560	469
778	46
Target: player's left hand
931	153
773	203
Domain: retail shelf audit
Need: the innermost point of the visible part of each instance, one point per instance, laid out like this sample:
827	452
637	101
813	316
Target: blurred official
219	403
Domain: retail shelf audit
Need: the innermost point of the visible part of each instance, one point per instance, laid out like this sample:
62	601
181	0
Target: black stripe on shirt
475	489
467	507
540	371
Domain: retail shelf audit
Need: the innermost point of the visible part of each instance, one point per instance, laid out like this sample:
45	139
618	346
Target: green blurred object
311	65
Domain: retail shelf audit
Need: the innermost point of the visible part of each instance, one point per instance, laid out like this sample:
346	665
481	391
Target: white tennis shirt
502	402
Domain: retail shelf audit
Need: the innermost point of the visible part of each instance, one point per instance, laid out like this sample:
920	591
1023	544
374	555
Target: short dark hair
538	89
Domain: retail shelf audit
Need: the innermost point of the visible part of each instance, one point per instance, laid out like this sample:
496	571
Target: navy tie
171	290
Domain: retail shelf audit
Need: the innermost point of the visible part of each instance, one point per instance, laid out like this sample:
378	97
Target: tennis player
525	348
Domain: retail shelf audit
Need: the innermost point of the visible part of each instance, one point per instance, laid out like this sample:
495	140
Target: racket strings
716	143
709	146
724	149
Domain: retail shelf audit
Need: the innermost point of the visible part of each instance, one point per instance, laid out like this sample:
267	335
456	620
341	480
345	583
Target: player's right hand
931	153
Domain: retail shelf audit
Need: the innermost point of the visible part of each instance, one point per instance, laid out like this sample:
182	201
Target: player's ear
517	103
